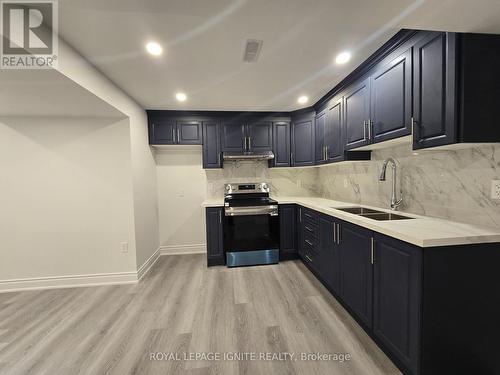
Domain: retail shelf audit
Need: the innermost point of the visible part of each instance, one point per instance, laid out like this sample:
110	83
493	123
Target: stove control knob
264	186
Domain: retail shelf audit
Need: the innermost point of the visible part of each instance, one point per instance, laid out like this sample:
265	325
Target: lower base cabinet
215	236
288	231
356	270
432	310
397	286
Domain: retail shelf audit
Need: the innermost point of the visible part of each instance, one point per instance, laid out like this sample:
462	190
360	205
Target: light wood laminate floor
181	306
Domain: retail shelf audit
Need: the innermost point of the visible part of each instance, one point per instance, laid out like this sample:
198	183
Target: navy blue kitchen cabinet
212	156
233	136
434	94
189	132
329	252
356	283
320	156
391	99
215	236
281	144
288	231
303	139
166	130
334	142
397	287
308	237
162	132
456	89
357	114
256	135
260	135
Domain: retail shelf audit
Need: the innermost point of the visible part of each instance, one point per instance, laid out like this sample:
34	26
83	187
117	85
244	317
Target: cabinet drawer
310	258
309	216
310	229
310	241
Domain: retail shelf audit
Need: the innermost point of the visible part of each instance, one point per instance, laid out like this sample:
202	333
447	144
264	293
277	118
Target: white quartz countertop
421	231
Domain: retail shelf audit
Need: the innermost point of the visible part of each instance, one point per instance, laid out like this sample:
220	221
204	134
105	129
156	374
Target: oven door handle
251	210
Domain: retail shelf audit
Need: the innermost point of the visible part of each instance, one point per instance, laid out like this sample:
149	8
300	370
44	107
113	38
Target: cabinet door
303	143
357	114
211	145
189	132
233	136
288	231
329	256
260	136
319	124
356	270
281	144
215	244
396	298
162	132
333	133
391	99
434	90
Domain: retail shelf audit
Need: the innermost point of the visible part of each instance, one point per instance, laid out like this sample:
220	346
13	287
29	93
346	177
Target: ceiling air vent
252	50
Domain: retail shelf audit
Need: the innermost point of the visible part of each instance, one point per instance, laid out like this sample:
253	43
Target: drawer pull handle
308	258
309	229
309	243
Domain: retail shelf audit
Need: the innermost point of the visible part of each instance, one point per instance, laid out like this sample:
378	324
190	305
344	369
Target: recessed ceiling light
180	96
154	48
303	99
343	57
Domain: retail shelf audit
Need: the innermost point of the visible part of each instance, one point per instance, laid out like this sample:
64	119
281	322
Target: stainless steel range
251	225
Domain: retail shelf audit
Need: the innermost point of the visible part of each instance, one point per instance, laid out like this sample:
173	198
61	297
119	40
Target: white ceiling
48	93
204	41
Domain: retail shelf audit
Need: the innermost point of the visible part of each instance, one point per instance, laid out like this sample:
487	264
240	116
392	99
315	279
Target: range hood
248	155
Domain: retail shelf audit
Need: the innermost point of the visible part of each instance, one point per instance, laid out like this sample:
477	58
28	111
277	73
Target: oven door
251	238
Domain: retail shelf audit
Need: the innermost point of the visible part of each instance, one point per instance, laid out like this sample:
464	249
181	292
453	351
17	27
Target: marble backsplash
288	181
447	184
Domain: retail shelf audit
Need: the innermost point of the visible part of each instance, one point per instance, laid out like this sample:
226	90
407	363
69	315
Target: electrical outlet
495	189
124	247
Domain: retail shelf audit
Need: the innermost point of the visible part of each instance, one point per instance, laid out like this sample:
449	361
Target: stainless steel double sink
373	214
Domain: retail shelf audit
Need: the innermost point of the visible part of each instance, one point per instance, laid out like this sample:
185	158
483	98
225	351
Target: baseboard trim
183	249
148	264
71	281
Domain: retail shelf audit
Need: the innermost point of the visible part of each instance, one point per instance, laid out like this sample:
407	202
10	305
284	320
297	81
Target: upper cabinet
334	142
233	136
255	135
456	92
212	156
357	114
434	92
260	135
320	136
166	130
303	140
378	108
281	144
390	99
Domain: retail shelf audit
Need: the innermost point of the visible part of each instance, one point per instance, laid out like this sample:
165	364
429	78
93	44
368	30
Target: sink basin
382	216
358	210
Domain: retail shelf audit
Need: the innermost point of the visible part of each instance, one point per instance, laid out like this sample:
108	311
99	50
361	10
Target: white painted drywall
65	196
181	191
75	67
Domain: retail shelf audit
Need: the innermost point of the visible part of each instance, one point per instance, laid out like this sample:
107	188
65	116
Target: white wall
72	65
65	197
182	186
